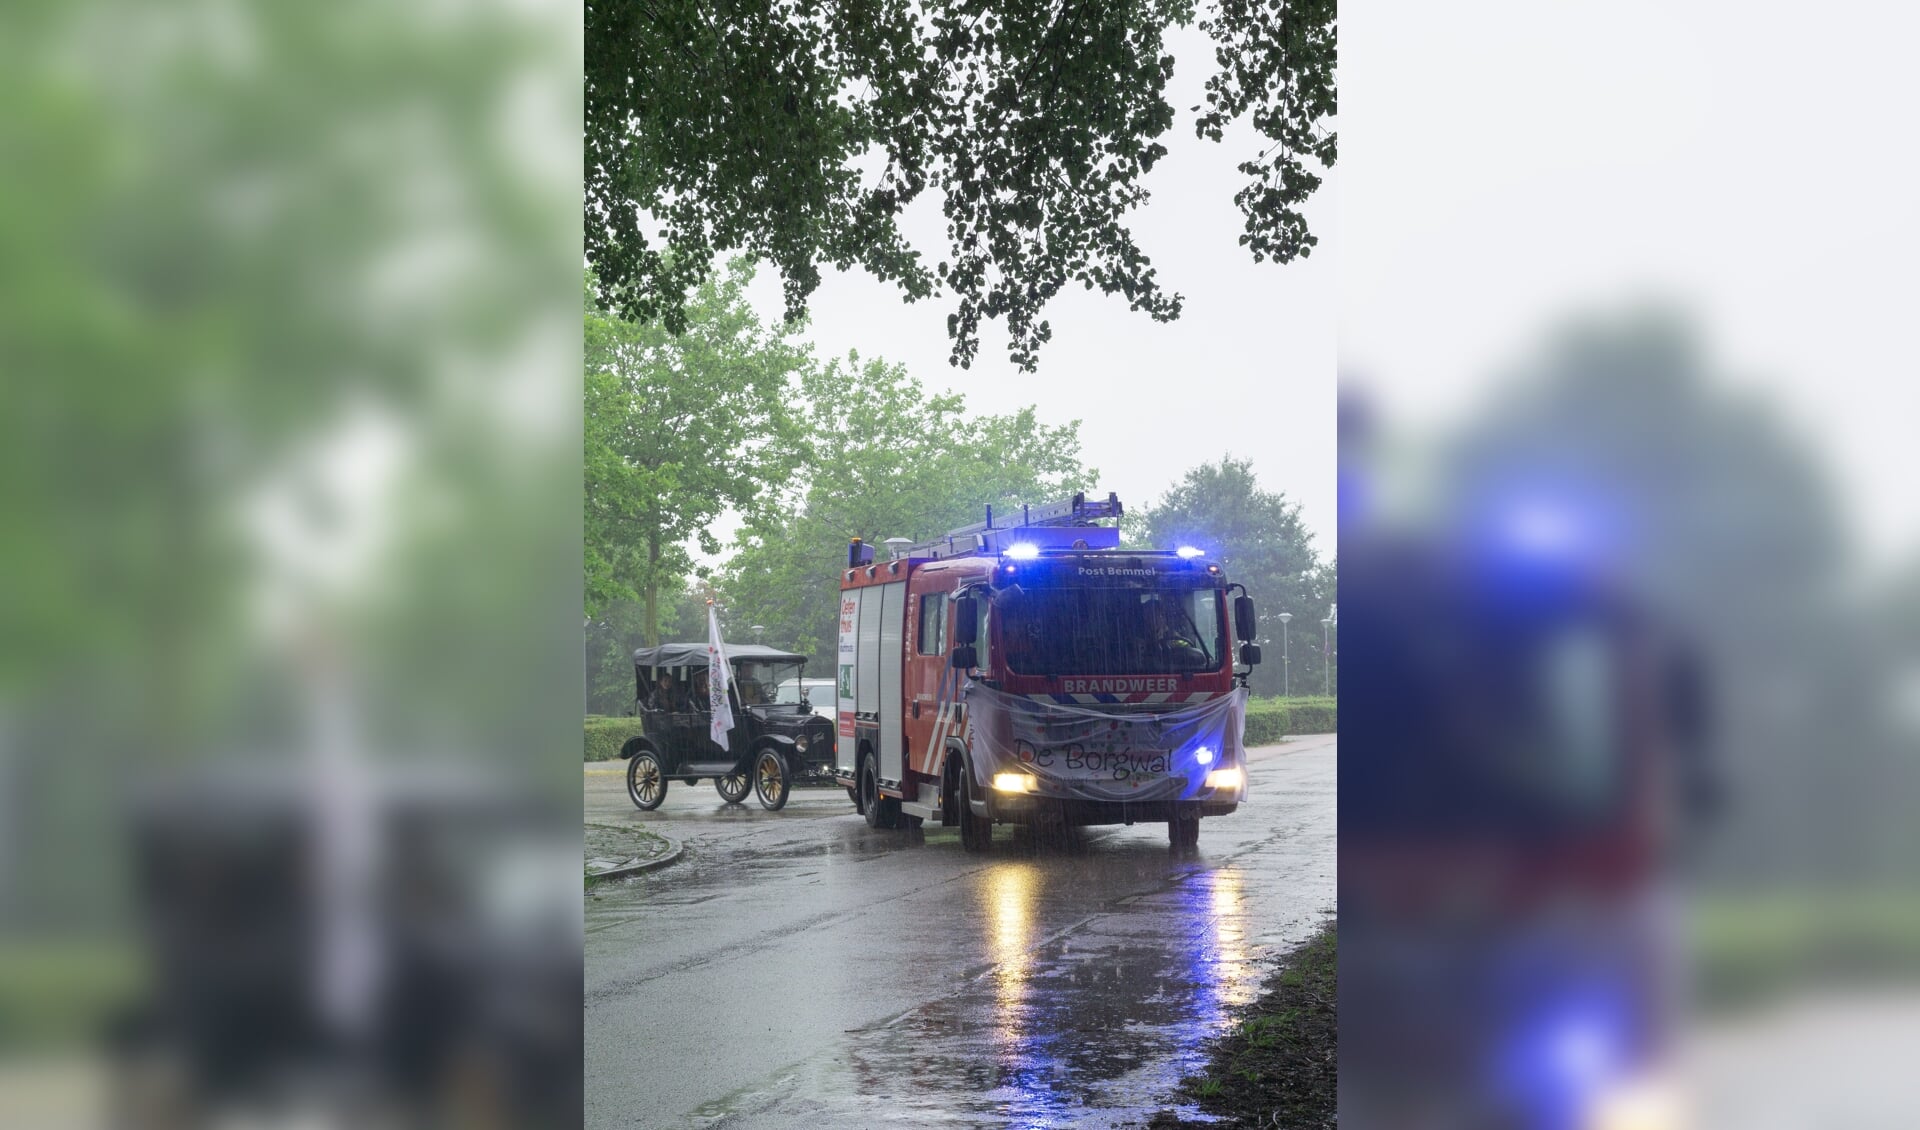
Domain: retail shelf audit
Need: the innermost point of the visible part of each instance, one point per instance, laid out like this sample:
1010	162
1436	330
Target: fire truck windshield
1111	631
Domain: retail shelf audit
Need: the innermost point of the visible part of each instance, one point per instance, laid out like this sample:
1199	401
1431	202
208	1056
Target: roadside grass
1278	1065
1270	719
618	842
1749	949
59	992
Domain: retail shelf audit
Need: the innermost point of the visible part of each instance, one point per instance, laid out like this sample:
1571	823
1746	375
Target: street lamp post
1286	661
1326	656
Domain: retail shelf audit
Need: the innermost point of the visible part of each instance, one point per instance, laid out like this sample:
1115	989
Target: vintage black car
772	743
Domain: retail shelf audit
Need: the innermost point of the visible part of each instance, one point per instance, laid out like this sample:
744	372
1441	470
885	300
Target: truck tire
881	811
976	832
1183	832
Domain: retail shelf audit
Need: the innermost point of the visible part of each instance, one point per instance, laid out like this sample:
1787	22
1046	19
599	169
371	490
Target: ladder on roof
978	537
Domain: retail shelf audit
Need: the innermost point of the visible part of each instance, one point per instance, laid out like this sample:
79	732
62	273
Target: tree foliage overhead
801	133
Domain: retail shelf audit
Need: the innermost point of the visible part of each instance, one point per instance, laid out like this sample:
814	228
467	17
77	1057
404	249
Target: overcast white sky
1505	162
1249	368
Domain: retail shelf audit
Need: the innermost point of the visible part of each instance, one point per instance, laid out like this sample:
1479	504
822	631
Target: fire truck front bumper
1031	808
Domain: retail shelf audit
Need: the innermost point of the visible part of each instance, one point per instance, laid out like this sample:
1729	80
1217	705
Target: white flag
717	672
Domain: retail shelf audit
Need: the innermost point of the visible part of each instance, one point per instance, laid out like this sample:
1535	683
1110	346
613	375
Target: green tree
1257	537
885	459
620	627
679	428
801	133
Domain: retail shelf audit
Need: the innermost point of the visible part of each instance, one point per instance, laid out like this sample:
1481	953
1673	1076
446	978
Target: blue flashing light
1203	755
1023	551
1190	552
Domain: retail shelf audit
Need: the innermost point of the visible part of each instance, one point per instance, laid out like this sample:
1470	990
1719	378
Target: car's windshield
1104	631
756	680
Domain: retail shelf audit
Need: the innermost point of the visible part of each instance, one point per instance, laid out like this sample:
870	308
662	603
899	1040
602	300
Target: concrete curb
673	856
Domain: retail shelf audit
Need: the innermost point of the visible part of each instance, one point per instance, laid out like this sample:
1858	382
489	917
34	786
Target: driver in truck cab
1168	636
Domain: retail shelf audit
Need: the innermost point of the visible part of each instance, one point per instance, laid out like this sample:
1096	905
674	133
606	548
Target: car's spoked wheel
976	832
771	781
734	789
646	783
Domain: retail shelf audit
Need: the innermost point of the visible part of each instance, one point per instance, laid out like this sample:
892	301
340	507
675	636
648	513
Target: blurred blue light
1023	551
1571	1048
1542	529
1190	552
1203	755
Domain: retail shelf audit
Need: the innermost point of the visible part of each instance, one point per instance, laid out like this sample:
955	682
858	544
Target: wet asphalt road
799	969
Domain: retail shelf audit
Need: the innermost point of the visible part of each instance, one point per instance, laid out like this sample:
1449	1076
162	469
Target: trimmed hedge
1270	719
607	734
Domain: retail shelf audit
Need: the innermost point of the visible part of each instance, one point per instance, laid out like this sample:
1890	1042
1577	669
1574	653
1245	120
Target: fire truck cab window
933	624
1094	631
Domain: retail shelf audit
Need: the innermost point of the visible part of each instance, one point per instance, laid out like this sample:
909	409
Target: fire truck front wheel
880	811
976	832
1183	831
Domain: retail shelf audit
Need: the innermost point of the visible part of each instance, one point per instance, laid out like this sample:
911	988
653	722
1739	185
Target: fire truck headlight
1023	551
1014	782
1189	551
1203	755
1227	778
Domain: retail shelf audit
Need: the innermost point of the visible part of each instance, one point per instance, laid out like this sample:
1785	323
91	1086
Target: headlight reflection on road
1222	973
1030	1071
1011	889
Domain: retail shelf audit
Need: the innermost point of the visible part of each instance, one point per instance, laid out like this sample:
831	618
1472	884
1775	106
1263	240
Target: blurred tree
679	429
800	134
884	459
1256	536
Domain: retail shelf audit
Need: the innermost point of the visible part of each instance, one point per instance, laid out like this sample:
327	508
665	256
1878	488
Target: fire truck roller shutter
893	622
866	680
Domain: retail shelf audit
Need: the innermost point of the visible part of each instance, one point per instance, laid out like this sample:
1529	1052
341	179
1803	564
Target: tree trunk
651	587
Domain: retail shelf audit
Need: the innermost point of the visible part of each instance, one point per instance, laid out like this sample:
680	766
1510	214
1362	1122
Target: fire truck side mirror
966	620
965	657
1250	655
1245	624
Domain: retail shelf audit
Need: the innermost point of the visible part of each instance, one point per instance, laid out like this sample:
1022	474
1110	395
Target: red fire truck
1035	672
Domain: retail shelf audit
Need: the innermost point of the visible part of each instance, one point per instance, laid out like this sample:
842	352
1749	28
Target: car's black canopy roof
695	654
